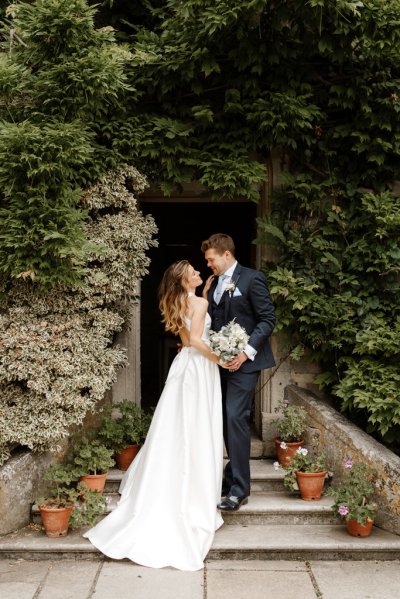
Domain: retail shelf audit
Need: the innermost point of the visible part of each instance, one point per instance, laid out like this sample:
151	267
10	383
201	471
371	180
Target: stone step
263	477
275	508
256	448
279	542
317	542
262	508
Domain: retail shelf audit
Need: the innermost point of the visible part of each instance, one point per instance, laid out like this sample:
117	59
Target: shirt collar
230	271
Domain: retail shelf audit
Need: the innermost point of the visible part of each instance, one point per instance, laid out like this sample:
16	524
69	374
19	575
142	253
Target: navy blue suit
252	308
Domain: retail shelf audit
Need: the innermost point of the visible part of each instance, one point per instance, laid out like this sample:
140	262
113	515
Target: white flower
283	445
302	451
230	286
229	341
276	466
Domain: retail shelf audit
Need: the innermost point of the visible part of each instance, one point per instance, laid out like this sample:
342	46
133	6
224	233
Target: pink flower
348	464
343	510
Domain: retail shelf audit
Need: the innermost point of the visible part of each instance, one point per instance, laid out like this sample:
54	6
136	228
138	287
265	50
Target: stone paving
86	579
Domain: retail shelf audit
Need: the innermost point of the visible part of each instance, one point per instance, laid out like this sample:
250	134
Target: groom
234	291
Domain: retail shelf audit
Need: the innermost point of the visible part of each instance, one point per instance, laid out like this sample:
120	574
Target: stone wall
20	484
21	477
330	432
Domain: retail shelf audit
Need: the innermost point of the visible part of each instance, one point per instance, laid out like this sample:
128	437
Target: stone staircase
273	525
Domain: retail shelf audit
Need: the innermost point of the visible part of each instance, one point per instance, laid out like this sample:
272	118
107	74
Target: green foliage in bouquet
128	427
229	341
353	495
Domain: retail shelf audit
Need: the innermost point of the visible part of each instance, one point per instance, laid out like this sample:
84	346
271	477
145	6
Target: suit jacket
251	306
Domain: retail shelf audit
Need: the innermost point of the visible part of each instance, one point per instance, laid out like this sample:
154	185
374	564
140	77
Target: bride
167	513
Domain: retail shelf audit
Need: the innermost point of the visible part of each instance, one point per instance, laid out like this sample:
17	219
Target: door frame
128	385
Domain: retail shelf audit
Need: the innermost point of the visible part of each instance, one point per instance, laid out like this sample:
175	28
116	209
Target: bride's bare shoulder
197	301
197	305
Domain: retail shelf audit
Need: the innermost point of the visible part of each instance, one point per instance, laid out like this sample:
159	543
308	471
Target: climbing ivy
336	285
59	75
218	85
211	88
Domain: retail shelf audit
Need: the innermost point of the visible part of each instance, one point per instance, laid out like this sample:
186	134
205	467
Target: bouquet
229	341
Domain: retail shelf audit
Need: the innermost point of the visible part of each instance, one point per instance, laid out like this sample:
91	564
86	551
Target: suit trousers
237	396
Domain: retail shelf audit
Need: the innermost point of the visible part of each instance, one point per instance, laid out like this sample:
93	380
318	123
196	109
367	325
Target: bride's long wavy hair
173	296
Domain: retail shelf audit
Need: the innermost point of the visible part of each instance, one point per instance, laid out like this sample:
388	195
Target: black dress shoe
231	503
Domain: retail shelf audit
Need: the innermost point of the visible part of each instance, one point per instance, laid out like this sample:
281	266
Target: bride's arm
199	306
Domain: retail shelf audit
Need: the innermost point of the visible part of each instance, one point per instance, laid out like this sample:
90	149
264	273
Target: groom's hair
220	243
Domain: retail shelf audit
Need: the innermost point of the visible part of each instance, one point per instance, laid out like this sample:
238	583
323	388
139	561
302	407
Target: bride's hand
207	286
222	364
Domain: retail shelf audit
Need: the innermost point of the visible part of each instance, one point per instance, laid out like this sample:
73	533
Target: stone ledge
340	439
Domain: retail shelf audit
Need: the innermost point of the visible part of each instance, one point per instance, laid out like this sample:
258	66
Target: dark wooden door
182	227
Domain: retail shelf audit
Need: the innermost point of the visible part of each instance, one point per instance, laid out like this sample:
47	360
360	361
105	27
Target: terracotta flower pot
311	485
286	455
95	482
55	520
125	457
355	529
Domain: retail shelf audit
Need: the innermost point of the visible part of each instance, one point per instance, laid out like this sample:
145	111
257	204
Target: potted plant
290	428
90	461
307	474
353	498
68	504
90	505
124	433
56	508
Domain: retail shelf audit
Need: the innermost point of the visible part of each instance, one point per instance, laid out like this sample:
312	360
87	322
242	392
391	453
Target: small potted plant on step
56	508
290	428
307	474
90	461
68	504
353	498
125	432
90	505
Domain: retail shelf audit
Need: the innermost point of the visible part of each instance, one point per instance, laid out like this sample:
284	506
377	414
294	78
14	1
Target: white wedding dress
167	514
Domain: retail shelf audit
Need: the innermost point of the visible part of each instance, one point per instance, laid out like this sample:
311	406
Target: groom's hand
223	364
207	286
237	361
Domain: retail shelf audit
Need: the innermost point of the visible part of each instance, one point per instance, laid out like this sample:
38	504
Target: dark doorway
182	227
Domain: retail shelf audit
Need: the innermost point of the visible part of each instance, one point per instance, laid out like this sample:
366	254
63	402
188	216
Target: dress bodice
206	329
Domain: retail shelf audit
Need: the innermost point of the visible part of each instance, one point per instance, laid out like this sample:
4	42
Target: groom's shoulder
251	272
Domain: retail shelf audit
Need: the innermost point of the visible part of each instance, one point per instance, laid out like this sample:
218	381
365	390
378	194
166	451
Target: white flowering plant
229	341
353	495
302	462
